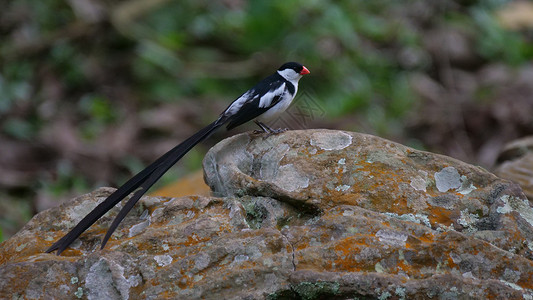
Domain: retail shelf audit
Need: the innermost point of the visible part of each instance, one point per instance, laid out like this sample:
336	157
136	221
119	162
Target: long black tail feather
143	180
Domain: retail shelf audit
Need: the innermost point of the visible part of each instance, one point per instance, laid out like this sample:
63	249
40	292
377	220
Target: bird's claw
279	130
271	131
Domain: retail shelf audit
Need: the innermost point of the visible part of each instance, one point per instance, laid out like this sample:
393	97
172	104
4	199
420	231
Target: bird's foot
269	131
278	131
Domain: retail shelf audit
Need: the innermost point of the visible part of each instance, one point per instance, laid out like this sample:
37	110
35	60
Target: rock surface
313	214
516	164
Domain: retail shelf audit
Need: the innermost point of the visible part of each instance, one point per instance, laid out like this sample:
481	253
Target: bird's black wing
140	182
270	90
248	111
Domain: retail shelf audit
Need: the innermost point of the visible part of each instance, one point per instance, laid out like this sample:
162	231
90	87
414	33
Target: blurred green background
91	91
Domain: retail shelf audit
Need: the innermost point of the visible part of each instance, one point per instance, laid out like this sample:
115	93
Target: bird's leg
264	128
267	129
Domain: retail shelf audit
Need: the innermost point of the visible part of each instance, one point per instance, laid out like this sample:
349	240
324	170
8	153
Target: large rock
313	214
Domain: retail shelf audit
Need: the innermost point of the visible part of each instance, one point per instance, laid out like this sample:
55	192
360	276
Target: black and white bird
262	103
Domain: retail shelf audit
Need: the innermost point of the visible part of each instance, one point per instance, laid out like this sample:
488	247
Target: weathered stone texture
313	214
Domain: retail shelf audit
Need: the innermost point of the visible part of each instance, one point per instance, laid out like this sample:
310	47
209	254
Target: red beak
304	71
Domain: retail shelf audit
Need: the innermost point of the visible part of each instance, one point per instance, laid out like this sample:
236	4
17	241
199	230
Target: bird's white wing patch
267	98
237	104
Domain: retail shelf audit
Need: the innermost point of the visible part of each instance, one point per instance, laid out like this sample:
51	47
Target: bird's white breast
266	99
275	111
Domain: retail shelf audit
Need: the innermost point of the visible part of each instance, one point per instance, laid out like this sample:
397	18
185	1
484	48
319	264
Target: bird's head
292	71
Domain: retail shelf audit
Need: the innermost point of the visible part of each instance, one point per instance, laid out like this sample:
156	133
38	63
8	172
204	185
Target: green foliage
351	46
299	29
497	44
97	113
345	41
14	84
